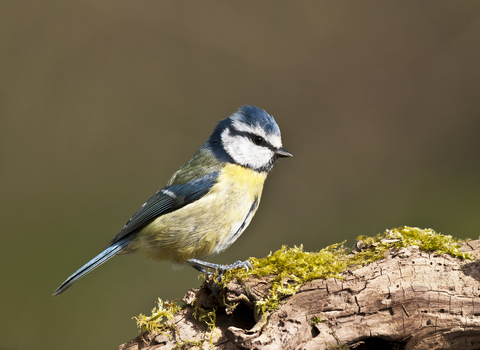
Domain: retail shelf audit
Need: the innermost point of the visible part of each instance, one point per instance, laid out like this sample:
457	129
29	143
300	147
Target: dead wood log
411	300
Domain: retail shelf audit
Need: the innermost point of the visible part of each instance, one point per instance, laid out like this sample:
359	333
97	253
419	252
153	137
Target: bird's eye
258	140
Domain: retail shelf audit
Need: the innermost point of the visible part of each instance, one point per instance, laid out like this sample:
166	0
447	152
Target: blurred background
101	101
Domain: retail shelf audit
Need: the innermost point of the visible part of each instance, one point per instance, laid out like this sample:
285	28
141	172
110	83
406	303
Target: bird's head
250	137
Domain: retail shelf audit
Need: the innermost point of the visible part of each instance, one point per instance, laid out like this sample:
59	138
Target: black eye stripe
251	136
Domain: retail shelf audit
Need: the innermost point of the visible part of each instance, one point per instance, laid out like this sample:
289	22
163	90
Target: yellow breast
208	225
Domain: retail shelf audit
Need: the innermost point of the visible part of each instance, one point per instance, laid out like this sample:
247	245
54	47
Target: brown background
101	101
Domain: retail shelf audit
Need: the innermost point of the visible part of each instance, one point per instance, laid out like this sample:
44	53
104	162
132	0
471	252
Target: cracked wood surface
410	300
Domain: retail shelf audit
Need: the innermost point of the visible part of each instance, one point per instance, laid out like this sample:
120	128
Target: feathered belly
207	226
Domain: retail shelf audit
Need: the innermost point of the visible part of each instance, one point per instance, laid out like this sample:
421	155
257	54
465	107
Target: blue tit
207	203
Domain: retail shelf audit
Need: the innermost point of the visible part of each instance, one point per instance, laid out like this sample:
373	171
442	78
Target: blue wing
167	200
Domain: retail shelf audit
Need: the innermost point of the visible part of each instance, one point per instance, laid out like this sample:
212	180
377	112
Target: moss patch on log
290	268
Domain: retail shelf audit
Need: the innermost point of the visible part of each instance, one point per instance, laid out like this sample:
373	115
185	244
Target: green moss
292	267
427	240
207	316
158	321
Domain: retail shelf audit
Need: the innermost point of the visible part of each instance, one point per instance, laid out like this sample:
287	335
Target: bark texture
411	300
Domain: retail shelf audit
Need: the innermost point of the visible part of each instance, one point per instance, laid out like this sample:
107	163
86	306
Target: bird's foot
203	265
237	264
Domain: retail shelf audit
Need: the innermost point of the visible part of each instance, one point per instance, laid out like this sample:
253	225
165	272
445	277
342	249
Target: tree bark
411	300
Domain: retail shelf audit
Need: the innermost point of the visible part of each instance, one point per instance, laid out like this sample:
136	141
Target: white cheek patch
273	139
244	152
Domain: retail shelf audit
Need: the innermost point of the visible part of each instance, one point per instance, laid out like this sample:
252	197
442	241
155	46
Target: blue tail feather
93	264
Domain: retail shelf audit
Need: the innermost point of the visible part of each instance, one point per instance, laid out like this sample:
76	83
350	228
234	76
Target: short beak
282	152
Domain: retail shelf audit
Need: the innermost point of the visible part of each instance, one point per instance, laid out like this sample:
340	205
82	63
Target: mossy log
411	299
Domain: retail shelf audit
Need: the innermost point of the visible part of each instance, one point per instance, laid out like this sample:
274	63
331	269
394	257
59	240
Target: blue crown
255	116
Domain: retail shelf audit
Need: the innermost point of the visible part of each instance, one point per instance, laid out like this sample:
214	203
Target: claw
238	264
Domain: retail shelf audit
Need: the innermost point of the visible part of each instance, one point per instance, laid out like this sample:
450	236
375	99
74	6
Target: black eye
258	140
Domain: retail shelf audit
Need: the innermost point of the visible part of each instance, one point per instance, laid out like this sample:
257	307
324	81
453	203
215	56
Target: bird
208	203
